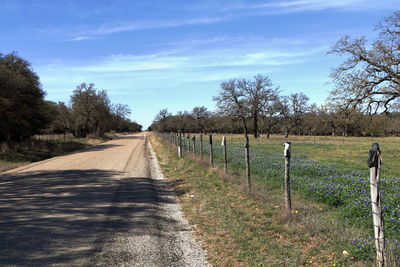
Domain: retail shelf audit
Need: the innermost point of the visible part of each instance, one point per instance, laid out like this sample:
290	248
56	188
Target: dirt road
104	206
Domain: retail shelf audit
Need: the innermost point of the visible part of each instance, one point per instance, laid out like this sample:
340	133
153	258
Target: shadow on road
64	217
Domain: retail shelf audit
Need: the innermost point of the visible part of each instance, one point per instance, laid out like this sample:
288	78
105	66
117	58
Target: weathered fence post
201	145
374	163
188	144
179	145
247	159
194	144
287	155
223	143
211	152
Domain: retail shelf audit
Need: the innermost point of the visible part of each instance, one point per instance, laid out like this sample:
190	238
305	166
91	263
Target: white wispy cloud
289	6
80	38
126	26
179	66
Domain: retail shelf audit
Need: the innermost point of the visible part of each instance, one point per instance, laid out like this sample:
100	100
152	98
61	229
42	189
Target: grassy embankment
40	148
238	229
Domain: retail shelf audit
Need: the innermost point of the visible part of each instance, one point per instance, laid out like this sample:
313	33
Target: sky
155	54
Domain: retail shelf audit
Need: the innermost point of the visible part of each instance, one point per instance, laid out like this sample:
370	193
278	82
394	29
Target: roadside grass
13	155
332	173
238	229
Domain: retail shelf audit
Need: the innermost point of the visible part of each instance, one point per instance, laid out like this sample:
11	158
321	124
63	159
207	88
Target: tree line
314	120
24	112
364	101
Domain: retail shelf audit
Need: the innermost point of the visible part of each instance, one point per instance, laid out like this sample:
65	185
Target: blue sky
174	54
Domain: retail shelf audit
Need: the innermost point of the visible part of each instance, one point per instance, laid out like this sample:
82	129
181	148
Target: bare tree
231	102
121	112
246	99
201	115
293	108
161	118
271	115
369	77
259	95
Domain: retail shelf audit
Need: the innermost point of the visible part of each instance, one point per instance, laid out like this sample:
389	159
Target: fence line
374	163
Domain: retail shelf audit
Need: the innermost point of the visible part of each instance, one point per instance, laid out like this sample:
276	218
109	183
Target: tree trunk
255	118
246	131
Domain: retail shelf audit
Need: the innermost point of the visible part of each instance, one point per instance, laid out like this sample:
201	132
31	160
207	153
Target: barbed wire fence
219	155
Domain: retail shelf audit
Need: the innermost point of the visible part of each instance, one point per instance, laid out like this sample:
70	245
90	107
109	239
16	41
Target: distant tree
120	114
102	116
271	114
231	102
21	99
260	96
293	108
201	116
161	119
65	119
90	109
370	77
246	99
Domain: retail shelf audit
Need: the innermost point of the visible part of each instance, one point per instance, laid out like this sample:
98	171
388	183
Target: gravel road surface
103	206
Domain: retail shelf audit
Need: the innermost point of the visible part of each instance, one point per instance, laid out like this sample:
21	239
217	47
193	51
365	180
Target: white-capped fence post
287	155
179	144
374	163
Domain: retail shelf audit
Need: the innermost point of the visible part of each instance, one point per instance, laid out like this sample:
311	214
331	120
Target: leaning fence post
247	158
288	199
374	163
223	143
211	152
201	145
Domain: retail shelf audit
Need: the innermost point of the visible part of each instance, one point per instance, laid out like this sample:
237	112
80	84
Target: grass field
327	170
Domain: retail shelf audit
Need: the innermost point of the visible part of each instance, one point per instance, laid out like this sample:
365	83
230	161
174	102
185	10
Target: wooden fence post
179	145
188	144
194	144
211	152
225	156
201	145
288	199
374	163
247	159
